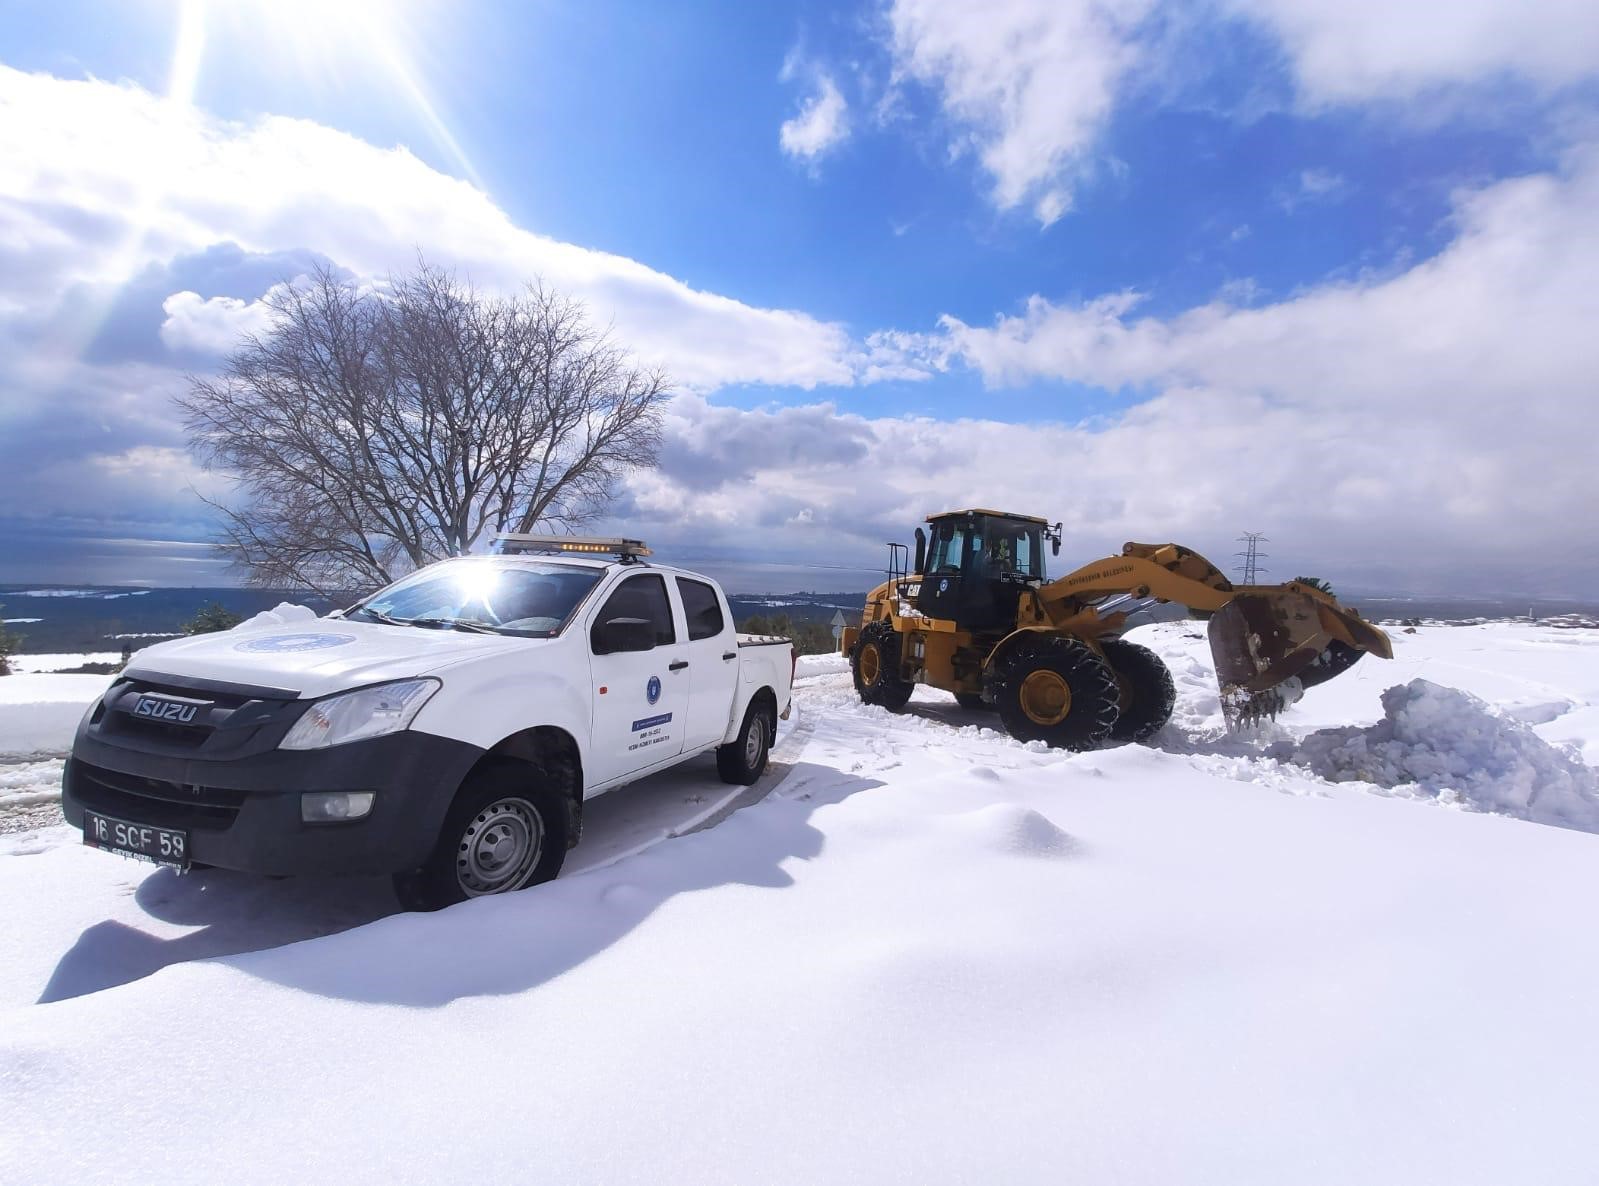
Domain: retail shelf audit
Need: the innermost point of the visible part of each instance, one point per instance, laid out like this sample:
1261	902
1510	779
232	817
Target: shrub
212	617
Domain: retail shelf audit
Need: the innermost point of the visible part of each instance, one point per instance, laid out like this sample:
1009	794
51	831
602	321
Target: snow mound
1447	743
284	613
820	665
1020	831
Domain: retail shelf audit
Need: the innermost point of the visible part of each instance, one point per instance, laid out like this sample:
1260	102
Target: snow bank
61	660
1448	743
820	665
284	613
40	713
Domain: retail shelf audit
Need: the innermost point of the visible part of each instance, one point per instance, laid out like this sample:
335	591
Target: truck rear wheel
504	832
1146	687
743	760
1056	690
875	665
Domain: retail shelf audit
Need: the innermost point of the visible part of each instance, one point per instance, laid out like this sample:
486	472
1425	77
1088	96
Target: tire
875	666
972	702
744	759
1146	687
1056	690
504	832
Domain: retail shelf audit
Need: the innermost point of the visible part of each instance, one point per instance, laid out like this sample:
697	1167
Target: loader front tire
875	665
1056	690
1147	692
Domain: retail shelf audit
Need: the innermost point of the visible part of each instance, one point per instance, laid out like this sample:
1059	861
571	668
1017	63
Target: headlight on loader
356	716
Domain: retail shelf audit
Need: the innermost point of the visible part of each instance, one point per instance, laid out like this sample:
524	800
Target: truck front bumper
244	813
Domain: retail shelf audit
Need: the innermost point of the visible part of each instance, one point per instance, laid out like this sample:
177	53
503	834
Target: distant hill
81	618
74	618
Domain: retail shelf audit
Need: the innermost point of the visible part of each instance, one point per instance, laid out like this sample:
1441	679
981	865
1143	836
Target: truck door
641	698
712	652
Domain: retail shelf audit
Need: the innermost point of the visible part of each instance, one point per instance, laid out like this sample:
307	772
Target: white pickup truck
445	730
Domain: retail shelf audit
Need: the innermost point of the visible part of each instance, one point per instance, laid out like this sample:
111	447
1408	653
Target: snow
61	660
1445	742
927	954
40	713
283	614
18	621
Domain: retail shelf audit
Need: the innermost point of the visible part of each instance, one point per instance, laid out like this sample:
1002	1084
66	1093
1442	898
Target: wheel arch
553	754
1020	635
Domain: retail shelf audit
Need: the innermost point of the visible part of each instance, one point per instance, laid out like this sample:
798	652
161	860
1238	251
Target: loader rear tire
1146	687
1056	690
875	665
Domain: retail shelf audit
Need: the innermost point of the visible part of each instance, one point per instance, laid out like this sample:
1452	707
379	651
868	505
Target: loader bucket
1261	641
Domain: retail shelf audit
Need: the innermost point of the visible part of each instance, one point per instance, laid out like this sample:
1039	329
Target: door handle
730	655
678	666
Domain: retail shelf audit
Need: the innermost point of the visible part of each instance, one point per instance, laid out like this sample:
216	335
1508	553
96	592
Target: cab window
643	597
947	553
702	607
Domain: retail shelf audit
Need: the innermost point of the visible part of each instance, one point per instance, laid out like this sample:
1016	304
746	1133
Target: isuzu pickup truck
446	730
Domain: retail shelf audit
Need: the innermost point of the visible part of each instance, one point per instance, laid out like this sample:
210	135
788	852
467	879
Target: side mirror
622	634
1054	547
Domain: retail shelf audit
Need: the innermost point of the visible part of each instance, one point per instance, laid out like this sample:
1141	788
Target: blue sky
1168	271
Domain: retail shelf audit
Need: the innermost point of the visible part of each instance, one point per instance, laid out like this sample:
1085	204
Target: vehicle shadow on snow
502	945
236	914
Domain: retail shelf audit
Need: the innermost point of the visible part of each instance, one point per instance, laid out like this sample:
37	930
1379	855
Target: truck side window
643	597
702	608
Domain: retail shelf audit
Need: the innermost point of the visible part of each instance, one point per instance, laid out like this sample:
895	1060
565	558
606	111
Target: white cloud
1449	406
100	180
1431	430
1345	51
1028	83
210	326
821	125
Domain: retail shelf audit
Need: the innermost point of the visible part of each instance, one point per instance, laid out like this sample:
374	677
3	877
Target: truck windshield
529	599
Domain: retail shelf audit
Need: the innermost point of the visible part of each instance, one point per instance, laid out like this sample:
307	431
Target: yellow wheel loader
974	615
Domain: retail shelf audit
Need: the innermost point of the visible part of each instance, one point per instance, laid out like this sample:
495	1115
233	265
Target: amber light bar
507	545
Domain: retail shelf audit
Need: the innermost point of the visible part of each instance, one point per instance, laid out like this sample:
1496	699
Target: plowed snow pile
1445	742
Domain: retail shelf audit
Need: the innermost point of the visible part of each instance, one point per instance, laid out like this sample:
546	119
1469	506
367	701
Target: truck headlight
355	716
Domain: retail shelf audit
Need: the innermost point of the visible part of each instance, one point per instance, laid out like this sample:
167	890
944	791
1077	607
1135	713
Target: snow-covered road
930	954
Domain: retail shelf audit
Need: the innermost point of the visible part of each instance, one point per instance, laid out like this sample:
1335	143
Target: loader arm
1261	636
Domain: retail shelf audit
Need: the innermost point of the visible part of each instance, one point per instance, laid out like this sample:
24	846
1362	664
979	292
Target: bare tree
373	431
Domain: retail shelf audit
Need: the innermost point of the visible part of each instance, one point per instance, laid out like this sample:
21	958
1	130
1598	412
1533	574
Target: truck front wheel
504	832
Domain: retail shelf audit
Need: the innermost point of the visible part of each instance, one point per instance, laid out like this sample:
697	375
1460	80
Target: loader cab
976	565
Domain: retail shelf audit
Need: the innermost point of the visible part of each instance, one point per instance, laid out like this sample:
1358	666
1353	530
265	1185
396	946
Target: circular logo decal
283	644
653	688
943	586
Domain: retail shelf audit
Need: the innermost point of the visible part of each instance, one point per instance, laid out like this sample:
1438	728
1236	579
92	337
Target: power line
1251	556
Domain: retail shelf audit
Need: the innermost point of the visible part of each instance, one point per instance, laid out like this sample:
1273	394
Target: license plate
163	846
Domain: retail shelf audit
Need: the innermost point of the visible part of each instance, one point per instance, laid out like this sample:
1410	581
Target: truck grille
155	801
221	720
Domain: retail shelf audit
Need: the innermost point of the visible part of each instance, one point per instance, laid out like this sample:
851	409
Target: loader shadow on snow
502	945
